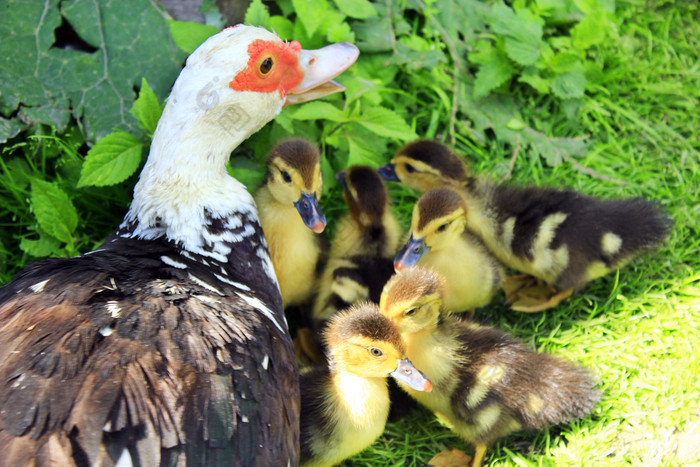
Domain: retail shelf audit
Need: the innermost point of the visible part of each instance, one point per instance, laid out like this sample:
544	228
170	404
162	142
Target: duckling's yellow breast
472	275
294	249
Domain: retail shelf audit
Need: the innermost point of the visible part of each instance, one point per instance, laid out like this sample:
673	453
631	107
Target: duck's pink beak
320	66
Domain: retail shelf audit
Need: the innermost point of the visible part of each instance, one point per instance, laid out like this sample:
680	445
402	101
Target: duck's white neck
184	183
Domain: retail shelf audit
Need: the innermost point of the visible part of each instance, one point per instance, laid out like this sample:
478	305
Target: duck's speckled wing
110	355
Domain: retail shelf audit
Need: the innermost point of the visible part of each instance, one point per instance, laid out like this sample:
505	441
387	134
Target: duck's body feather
143	347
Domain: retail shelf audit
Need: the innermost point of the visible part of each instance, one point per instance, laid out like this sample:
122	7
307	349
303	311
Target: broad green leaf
146	108
564	62
385	122
340	32
553	150
494	70
10	127
257	14
503	20
130	39
516	124
53	210
39	248
282	27
360	154
360	9
189	35
310	13
536	81
587	6
569	85
589	31
318	110
112	160
246	171
521	52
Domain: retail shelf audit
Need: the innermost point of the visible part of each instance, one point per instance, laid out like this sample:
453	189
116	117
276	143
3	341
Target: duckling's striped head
413	298
439	218
426	164
361	340
294	177
365	194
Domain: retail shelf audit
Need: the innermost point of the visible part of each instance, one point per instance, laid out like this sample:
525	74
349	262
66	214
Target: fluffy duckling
344	404
560	236
439	239
485	383
365	242
291	217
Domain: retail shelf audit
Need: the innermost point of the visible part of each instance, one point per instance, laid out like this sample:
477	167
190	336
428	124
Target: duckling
486	384
365	242
439	238
291	217
344	404
562	237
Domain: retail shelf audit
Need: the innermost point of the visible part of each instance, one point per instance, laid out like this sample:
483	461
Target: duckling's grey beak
388	172
340	176
311	212
411	377
410	253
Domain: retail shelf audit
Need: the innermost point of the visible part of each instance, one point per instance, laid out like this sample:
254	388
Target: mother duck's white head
234	83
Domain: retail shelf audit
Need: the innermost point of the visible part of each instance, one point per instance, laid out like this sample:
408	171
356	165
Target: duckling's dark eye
410	312
266	65
286	177
442	228
410	169
376	352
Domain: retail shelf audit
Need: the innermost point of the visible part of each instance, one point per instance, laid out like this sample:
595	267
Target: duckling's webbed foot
514	284
539	297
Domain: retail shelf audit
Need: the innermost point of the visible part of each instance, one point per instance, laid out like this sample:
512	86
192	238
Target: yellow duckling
560	236
291	217
439	239
345	404
365	242
486	384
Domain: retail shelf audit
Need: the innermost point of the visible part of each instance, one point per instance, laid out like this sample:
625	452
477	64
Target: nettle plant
491	78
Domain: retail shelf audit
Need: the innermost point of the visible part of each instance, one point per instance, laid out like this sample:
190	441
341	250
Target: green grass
639	329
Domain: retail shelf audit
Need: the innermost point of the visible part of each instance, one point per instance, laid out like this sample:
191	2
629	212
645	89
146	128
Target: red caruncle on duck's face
272	66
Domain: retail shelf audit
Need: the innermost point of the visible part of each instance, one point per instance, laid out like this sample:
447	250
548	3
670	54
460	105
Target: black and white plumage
167	345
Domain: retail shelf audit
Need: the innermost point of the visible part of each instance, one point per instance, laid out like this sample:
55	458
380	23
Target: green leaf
521	52
516	124
50	84
53	210
385	122
310	13
589	31
112	160
569	85
282	27
146	108
317	110
495	69
503	20
360	154
340	32
39	248
257	14
189	35
360	9
534	79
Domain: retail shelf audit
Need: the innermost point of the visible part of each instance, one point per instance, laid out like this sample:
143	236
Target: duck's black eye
410	312
442	228
410	169
376	352
286	177
266	65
